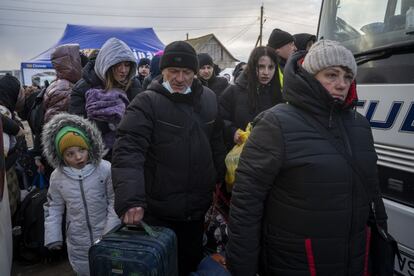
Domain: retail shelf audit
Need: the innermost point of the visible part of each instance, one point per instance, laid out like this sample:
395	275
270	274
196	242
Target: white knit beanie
328	53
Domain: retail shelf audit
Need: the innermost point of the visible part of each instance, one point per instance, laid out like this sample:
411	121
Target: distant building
211	45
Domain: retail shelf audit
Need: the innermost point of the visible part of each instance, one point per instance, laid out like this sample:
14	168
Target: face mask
167	86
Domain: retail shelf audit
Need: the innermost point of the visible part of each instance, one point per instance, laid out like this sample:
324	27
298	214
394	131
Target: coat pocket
168	124
167	133
286	254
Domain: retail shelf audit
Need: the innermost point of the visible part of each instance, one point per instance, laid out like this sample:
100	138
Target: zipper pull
373	210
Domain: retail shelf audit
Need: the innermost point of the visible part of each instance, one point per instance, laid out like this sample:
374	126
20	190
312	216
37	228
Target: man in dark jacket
143	69
207	76
6	248
283	43
167	150
154	70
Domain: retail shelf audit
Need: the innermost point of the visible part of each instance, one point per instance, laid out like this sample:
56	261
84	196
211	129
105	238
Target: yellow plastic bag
232	158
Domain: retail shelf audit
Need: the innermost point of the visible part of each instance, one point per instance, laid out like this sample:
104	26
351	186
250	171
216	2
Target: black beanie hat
179	54
279	38
302	39
143	61
204	59
9	91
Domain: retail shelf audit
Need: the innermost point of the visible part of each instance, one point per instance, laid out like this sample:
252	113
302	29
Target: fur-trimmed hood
61	120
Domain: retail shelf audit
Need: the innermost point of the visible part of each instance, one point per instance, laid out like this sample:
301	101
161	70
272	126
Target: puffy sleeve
54	209
258	167
129	152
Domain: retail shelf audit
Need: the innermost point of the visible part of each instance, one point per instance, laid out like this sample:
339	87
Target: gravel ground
61	268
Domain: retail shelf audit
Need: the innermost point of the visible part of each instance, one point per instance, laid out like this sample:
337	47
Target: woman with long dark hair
255	90
307	177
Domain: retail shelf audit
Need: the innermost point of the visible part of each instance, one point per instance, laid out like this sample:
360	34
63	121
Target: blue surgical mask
167	86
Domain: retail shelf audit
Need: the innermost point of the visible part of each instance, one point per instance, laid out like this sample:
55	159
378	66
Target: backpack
28	230
23	161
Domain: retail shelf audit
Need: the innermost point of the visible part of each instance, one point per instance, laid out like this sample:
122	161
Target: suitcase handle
148	229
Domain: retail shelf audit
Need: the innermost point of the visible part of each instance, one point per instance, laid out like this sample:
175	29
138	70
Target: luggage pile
146	250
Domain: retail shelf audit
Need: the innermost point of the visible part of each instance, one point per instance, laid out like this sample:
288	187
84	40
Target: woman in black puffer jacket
257	89
297	203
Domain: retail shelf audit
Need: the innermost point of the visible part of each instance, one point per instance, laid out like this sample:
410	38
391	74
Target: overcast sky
29	27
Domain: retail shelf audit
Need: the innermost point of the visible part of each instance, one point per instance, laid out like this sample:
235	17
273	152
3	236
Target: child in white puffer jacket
82	183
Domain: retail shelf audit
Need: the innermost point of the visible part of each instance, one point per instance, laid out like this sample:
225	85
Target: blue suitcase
135	251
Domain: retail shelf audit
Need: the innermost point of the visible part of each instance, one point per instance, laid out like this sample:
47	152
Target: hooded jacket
6	241
86	194
93	74
10	98
296	200
155	71
167	148
66	60
112	52
67	63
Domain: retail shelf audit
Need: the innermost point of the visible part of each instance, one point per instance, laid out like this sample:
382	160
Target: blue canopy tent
143	42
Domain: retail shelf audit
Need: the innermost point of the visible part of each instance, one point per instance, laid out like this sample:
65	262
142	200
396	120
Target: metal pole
261	24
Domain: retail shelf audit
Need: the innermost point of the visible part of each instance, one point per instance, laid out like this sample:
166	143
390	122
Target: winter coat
146	82
6	246
10	97
235	106
93	74
106	108
217	84
297	202
168	146
67	63
86	194
56	98
155	71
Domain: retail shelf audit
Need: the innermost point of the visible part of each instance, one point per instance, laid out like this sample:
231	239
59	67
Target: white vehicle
380	33
227	73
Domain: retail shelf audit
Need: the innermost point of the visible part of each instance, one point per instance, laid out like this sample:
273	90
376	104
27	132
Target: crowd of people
122	140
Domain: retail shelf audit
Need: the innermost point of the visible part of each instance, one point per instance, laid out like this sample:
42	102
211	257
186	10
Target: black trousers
189	241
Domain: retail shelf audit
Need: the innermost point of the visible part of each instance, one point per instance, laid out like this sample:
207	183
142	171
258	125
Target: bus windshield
366	26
